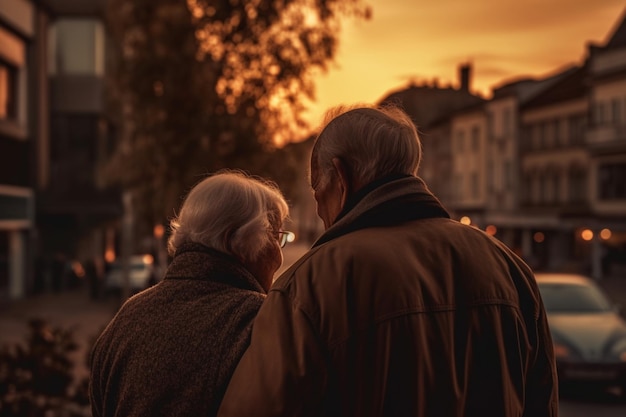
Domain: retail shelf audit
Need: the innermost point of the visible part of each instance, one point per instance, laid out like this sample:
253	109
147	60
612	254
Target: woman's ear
344	180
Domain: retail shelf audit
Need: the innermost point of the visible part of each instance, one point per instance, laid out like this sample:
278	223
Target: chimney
465	73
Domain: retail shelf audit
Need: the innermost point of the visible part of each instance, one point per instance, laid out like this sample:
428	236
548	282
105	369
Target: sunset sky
428	39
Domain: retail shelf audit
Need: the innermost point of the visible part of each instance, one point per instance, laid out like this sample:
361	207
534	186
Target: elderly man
397	310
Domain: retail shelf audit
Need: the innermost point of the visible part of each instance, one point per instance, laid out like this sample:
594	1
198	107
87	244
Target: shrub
37	377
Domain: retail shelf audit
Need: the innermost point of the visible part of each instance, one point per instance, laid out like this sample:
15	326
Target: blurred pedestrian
397	310
94	274
171	349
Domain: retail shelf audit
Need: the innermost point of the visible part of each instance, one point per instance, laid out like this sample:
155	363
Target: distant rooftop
618	37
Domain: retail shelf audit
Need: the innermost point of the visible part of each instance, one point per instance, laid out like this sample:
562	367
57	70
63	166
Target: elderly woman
172	348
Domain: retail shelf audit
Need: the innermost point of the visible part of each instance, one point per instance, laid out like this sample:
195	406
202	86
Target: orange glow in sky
423	40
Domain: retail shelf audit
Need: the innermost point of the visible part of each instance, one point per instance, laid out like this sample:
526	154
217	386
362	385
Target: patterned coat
171	350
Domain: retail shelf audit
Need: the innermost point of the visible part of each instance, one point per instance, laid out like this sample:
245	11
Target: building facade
23	127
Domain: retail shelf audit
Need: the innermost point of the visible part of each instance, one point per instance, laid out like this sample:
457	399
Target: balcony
606	139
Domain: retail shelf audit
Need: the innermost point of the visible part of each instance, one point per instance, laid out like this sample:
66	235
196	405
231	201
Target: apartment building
76	213
606	142
468	138
23	126
53	139
554	172
552	184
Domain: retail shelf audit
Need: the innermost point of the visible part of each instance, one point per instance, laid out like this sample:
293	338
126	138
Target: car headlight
561	351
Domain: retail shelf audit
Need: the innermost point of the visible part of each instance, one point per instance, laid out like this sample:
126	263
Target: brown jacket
399	311
171	349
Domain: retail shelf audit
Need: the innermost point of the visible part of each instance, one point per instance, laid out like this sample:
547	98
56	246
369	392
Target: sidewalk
73	309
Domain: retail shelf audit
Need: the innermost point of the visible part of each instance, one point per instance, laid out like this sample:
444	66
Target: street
592	403
74	309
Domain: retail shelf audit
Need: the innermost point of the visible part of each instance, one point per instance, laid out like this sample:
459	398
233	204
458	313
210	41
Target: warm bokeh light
539	237
78	269
560	351
491	230
466	220
158	231
502	40
148	259
586	234
605	234
109	255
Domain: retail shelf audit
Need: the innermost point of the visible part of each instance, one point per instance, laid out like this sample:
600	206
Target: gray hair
231	212
372	142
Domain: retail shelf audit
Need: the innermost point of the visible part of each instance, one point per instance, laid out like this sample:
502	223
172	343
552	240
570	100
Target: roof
525	89
426	105
618	36
572	86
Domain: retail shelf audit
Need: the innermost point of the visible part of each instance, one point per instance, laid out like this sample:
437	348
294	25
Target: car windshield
573	298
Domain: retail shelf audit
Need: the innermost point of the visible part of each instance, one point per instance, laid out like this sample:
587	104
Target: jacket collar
198	262
386	202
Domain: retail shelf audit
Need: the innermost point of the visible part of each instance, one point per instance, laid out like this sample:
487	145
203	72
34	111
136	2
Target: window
527	189
475	187
537	134
612	181
12	62
577	130
8	91
460	141
490	177
476	139
577	185
77	47
600	116
508	174
556	188
543	188
507	120
562	132
616	110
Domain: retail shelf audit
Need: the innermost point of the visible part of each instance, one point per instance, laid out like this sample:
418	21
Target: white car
141	274
588	333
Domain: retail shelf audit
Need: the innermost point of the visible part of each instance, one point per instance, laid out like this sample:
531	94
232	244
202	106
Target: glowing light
466	220
78	269
148	259
491	230
560	351
605	234
158	231
586	235
539	237
109	255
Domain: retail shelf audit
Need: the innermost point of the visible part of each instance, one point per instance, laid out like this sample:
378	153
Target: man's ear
344	180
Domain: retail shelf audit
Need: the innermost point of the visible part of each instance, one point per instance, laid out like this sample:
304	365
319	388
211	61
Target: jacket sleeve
283	372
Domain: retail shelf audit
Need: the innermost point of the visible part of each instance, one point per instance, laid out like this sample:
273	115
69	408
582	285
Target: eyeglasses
285	237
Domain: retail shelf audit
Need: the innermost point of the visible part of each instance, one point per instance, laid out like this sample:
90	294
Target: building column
17	264
596	256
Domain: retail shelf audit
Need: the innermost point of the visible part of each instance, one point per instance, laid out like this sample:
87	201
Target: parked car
588	333
141	273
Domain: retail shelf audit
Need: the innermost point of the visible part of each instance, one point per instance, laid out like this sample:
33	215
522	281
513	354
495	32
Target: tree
202	85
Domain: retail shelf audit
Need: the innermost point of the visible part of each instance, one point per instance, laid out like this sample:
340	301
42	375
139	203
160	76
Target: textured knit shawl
171	350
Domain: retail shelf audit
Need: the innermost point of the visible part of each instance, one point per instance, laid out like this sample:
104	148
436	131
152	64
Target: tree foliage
201	85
